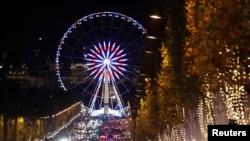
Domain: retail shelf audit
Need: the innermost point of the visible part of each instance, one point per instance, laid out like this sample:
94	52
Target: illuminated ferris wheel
99	57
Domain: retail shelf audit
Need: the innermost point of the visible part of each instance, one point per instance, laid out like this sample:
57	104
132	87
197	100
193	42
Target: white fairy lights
232	89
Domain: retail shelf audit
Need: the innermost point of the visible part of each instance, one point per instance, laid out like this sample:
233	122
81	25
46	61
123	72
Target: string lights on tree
232	88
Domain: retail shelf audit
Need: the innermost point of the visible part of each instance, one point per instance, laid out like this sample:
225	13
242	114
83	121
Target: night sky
31	31
35	28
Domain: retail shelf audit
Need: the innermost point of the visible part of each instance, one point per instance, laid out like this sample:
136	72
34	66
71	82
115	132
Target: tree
169	100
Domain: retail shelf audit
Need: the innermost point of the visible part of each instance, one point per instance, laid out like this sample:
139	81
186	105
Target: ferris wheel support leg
106	92
106	109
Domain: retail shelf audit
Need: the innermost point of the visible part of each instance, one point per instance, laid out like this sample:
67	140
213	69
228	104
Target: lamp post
152	54
155	39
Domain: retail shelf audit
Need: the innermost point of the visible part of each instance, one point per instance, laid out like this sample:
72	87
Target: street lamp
151	37
156	38
148	52
155	17
158	28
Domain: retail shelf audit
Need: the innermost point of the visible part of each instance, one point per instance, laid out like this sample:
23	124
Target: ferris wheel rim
72	28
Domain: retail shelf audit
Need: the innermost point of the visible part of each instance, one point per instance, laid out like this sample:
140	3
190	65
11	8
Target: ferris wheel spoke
84	35
94	96
88	86
98	52
132	45
72	48
128	37
94	27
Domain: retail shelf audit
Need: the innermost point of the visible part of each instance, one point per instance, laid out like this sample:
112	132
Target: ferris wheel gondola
99	57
